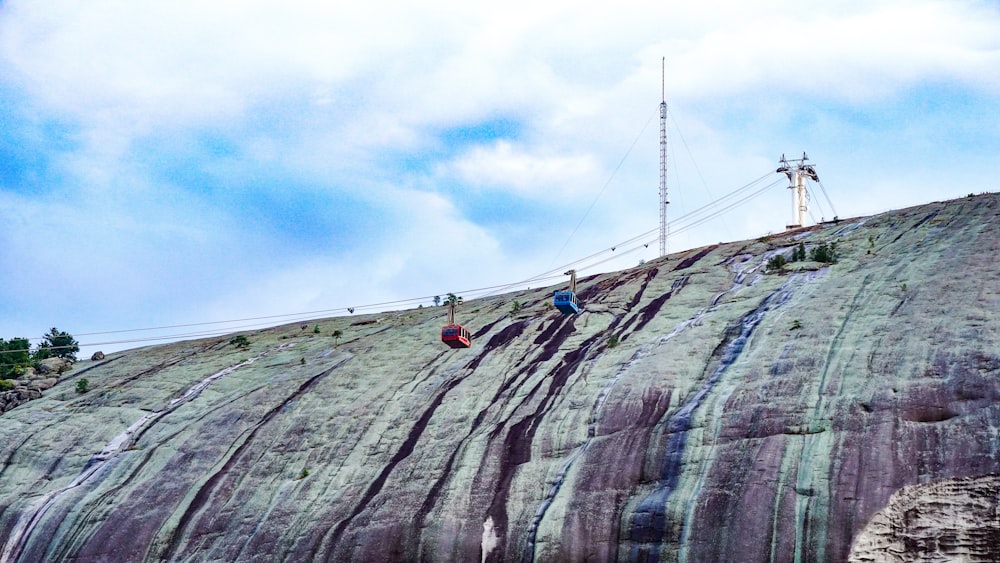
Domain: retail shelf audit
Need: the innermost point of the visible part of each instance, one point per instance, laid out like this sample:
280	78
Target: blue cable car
565	301
454	334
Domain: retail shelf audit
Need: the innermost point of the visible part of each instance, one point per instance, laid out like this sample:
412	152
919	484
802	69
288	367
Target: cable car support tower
797	171
663	158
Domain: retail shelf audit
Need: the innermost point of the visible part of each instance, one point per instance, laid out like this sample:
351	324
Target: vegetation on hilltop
16	354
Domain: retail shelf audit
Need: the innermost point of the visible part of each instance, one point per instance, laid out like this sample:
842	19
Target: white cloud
349	100
526	173
430	250
190	60
873	52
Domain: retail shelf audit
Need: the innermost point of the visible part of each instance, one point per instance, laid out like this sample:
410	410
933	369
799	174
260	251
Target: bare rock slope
700	409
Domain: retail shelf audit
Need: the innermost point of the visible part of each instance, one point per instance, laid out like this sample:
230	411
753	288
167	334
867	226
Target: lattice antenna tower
797	171
663	157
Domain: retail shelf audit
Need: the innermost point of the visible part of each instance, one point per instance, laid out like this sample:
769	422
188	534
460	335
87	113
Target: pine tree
58	343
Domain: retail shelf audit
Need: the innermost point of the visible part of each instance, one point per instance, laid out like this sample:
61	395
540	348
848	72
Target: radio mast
663	158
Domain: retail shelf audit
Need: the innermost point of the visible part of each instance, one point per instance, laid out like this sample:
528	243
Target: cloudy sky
174	163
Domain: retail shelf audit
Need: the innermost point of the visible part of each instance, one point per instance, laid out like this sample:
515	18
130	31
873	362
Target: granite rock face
700	408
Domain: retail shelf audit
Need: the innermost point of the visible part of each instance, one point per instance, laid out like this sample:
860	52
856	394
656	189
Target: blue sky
180	163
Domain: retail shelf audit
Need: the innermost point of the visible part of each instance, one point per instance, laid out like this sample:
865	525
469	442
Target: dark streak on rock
690	260
625	326
486	329
649	528
10	459
517	443
502	338
95	366
430	363
65	550
899	305
205	492
432	496
64	553
649	311
552	338
375	487
158	367
929	216
546	334
635	300
607	286
435	489
650	274
548	351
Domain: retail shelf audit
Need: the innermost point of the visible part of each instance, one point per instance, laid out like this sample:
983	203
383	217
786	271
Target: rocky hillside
700	409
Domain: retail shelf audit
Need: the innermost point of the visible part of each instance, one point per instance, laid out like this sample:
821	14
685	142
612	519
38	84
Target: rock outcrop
21	393
698	409
31	384
946	520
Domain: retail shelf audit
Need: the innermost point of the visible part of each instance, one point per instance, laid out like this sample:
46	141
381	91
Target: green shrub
613	341
799	253
14	357
515	307
83	385
6	385
827	254
776	263
240	341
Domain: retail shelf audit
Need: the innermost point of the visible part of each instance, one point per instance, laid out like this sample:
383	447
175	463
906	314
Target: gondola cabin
456	336
565	301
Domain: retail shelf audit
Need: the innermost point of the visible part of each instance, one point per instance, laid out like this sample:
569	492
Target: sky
180	164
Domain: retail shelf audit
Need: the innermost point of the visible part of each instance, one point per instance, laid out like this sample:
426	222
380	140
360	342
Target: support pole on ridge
663	158
797	171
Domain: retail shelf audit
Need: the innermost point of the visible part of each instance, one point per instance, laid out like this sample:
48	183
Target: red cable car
454	334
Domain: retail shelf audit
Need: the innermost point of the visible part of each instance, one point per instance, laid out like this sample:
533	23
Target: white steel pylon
663	159
797	171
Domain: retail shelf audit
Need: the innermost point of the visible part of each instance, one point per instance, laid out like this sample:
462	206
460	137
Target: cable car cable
823	188
603	188
297	317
